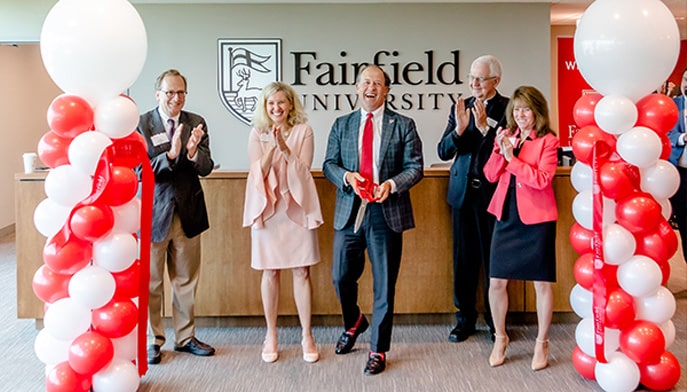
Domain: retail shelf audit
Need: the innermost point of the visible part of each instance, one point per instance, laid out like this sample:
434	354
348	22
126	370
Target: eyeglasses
480	79
170	94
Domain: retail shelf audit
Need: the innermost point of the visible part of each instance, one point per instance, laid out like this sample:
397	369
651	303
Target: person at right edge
468	140
678	157
523	247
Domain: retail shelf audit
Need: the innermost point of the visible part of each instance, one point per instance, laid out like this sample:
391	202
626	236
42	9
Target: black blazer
177	186
468	147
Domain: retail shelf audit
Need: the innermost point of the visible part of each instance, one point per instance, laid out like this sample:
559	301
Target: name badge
265	137
491	122
159	138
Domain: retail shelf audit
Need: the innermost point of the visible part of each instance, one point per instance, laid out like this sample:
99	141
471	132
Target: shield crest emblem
245	66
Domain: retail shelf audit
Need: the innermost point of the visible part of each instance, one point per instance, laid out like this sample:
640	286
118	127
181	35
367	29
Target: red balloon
128	151
70	115
126	282
584	270
49	285
583	363
121	188
583	111
618	179
620	311
69	258
90	352
665	271
116	319
666	147
583	142
658	112
53	148
63	378
92	222
638	213
581	238
642	341
660	376
659	244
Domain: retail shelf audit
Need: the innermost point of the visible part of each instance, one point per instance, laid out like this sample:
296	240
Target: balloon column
622	210
93	281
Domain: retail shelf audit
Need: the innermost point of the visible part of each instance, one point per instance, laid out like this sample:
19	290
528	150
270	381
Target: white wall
185	37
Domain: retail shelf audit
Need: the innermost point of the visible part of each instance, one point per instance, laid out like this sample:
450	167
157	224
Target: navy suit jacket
677	131
470	145
177	186
400	160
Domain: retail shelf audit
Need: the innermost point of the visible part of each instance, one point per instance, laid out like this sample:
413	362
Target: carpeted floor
421	358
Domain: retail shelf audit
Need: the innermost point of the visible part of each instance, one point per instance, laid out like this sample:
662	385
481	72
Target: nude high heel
498	353
310	357
541	355
269	356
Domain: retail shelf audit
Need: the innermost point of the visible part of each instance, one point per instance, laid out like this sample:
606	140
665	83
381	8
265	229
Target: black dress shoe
154	354
347	339
461	332
376	363
196	347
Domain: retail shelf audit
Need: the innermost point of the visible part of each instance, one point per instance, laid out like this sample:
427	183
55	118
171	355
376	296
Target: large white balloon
49	217
66	319
640	276
615	114
581	301
640	146
127	216
94	49
67	185
668	329
661	180
85	150
583	209
618	244
125	347
585	338
666	208
93	286
657	308
581	176
116	117
49	349
619	374
119	376
116	252
626	48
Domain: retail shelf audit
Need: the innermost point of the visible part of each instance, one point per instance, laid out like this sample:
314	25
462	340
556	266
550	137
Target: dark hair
535	100
387	79
169	72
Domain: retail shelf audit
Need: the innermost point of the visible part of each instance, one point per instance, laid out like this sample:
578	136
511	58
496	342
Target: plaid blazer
400	159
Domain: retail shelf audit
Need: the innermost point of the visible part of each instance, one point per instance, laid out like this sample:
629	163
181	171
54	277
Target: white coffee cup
29	162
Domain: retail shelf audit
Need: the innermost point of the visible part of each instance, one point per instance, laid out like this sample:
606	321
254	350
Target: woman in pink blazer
524	163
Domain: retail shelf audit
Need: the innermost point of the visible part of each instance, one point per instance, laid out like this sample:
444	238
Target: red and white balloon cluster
91	276
624	50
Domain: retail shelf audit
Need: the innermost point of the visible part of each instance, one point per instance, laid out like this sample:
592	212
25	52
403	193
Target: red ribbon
599	292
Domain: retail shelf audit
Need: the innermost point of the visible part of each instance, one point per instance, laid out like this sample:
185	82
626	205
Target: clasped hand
192	144
504	143
368	190
479	112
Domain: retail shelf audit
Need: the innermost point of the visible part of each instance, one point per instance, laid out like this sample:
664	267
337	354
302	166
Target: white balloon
116	252
639	146
125	347
668	329
581	301
585	338
581	176
66	319
618	244
613	34
49	349
67	185
127	217
661	180
619	374
657	308
583	210
92	286
85	150
94	49
640	276
49	217
116	117
615	114
119	376
666	208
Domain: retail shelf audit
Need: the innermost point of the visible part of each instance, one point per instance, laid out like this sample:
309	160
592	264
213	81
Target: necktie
170	122
366	150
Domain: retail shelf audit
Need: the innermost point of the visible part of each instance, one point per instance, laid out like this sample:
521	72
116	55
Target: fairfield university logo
245	67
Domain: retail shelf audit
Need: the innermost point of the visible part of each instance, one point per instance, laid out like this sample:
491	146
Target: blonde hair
261	120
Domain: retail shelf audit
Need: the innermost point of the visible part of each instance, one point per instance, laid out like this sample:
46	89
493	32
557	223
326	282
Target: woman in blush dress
523	246
282	208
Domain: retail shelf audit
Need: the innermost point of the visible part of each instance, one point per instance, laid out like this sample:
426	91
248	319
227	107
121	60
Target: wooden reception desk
229	287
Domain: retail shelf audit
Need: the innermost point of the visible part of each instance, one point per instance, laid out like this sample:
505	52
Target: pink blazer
534	169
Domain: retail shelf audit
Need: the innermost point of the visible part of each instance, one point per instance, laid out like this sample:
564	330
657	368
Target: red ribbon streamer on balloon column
599	291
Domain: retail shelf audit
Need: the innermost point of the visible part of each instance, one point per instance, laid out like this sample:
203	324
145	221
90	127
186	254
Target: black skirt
520	251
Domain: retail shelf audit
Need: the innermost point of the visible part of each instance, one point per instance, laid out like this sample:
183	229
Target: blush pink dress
282	208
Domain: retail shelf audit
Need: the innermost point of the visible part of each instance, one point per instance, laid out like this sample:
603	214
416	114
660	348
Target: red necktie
366	150
171	128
